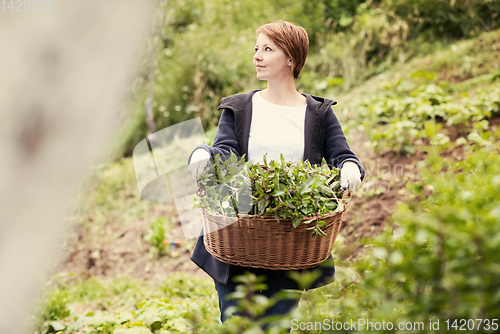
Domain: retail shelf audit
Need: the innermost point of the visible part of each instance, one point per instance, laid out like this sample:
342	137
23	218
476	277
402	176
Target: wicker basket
265	243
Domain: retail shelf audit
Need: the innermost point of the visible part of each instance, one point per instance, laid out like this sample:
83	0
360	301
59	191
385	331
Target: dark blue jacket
323	137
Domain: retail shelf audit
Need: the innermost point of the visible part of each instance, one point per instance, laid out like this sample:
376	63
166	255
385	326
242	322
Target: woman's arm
225	141
337	151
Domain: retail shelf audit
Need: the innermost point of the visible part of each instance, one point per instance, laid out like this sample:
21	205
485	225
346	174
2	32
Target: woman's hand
199	160
350	176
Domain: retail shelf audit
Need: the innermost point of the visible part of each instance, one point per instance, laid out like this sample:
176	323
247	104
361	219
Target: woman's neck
283	93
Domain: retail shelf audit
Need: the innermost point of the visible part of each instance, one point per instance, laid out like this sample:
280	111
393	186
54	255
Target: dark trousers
276	281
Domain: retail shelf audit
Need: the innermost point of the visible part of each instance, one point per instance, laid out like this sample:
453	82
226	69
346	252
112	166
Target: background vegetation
420	81
203	48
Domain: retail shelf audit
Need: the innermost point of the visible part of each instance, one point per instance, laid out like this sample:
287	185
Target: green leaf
262	205
296	221
45	327
57	326
279	193
322	233
308	183
154	322
340	207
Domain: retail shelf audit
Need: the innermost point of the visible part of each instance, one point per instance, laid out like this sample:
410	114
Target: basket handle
346	194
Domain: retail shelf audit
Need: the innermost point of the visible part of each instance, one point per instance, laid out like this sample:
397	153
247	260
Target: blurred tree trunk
63	74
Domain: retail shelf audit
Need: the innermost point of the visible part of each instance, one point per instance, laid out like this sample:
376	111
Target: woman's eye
268	49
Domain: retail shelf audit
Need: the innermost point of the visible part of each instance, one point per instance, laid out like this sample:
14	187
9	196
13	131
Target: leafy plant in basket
281	189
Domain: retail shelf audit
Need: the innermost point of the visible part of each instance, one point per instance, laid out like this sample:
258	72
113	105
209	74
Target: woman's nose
257	55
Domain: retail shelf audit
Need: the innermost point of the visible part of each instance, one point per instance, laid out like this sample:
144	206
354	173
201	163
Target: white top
276	130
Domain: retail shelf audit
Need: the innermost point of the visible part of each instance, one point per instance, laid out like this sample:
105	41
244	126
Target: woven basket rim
254	232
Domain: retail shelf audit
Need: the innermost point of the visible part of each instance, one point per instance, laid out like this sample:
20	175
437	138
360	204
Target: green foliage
126	306
405	111
373	41
248	316
440	19
156	235
250	303
204	49
474	58
441	260
107	192
182	286
149	316
278	188
51	307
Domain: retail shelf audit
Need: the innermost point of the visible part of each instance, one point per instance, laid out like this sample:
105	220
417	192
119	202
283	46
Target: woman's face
270	61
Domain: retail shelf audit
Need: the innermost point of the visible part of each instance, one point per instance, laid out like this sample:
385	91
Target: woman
276	120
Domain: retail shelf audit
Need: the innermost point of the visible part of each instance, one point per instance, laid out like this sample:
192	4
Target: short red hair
291	38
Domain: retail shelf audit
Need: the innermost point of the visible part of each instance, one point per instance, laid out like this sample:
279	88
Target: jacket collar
237	102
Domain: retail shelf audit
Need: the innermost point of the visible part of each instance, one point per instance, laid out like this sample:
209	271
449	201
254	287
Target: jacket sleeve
337	151
225	139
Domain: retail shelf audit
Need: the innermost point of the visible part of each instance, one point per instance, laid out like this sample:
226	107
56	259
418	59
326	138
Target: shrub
402	112
441	261
157	234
